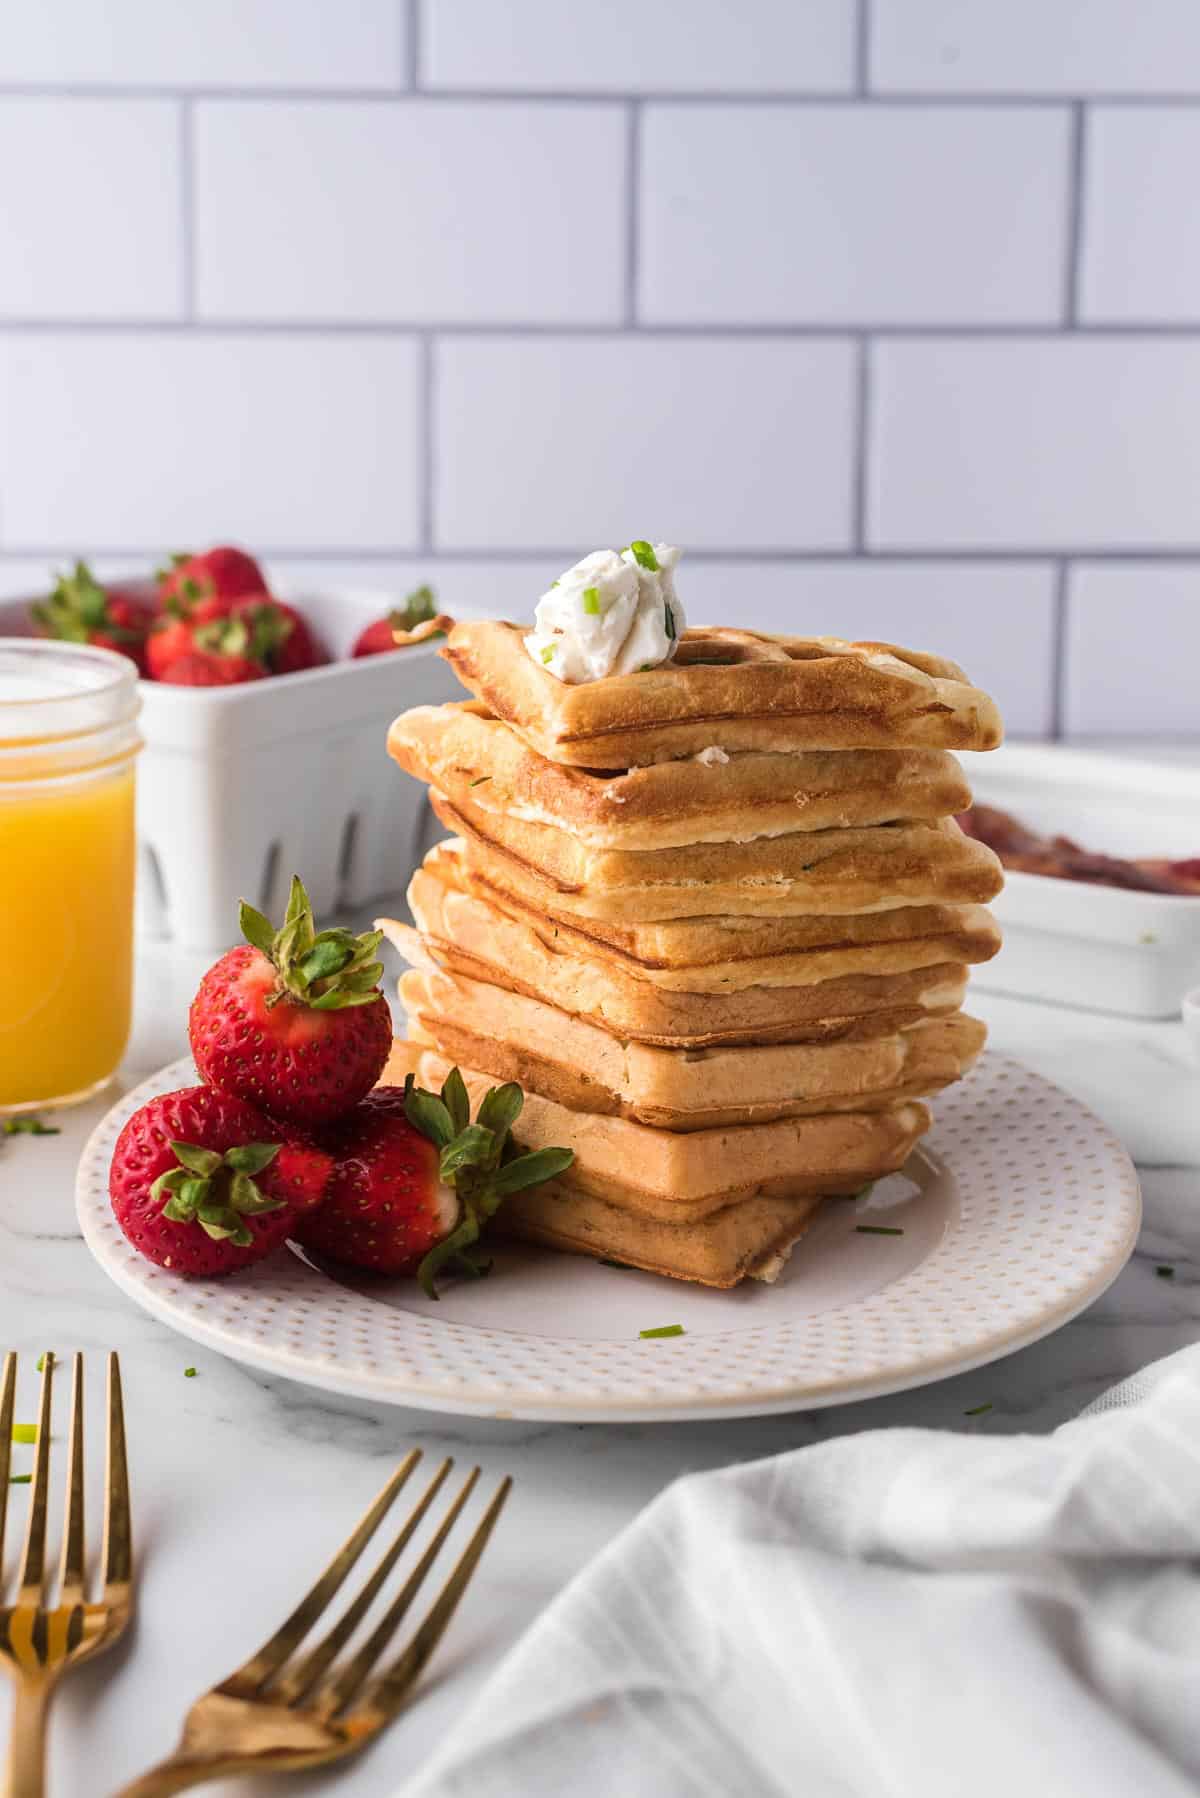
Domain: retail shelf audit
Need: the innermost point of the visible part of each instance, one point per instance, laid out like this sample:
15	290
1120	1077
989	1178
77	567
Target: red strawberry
220	573
203	1184
295	1021
415	1181
281	636
420	608
208	668
80	610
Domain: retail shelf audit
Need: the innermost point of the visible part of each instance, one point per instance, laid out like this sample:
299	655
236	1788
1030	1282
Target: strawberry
282	637
220	573
198	1186
80	610
420	608
293	1020
415	1181
209	668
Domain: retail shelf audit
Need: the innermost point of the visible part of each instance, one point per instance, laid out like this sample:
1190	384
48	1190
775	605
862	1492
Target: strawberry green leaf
531	1170
196	1160
252	1157
171	1181
322	960
256	929
337	999
297	903
426	1113
177	1211
248	1200
456	1100
195	1192
470	1148
446	1251
500	1108
418	608
223	1224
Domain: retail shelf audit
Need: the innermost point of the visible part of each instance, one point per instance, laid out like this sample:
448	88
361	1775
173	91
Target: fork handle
26	1773
177	1774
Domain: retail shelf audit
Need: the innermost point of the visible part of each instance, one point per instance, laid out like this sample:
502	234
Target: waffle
735	690
462	935
681	1177
808	871
727	954
723	946
512	1037
478	761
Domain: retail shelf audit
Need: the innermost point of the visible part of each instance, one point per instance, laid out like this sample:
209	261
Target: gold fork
37	1643
279	1714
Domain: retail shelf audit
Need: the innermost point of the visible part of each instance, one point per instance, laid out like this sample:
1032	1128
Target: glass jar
68	738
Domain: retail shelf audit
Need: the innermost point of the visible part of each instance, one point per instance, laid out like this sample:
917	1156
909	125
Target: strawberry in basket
222	573
416	621
81	610
293	1020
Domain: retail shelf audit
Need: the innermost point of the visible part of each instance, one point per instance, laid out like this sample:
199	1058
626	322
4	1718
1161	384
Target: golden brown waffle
736	690
512	1037
479	761
691	944
807	871
462	935
727	954
681	1177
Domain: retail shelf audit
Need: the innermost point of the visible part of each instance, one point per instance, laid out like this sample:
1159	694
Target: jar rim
51	690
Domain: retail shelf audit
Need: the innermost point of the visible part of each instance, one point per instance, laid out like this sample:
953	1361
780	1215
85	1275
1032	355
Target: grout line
426	443
861	451
387	95
187	210
1031	558
1062	601
633	207
1075	210
412	73
862	49
716	332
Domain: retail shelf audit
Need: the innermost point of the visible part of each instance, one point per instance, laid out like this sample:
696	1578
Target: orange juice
67	852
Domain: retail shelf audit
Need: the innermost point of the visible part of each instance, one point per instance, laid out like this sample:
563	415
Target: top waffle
727	689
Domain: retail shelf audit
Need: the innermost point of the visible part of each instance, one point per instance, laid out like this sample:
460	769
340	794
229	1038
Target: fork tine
388	1692
303	1677
287	1638
71	1570
8	1399
343	1688
118	1524
33	1562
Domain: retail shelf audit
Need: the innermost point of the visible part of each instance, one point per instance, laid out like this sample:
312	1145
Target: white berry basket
240	787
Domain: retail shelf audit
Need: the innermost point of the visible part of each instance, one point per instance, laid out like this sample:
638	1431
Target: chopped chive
670	621
24	1432
189	1373
878	1230
1165	1272
554	583
591	601
646	667
548	653
41	1363
978	1410
20	1479
644	555
29	1127
664	1330
479	780
604	1260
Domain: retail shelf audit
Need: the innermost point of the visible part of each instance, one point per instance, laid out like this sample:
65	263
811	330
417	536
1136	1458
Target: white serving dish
1100	947
240	787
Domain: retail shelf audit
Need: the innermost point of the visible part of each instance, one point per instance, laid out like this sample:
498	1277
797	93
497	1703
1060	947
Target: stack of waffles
715	917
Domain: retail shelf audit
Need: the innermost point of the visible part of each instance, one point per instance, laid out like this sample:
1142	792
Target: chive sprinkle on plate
20	1479
664	1330
879	1230
24	1432
189	1373
978	1410
1165	1271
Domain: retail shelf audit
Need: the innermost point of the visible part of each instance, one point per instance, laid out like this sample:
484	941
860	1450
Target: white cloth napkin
903	1612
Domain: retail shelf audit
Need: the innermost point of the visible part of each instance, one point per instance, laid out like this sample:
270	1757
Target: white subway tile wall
889	310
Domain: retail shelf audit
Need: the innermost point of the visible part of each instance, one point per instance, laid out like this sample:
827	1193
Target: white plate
1020	1209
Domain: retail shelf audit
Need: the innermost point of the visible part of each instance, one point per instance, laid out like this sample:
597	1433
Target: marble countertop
244	1484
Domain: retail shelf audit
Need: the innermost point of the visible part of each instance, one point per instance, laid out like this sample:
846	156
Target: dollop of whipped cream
609	614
